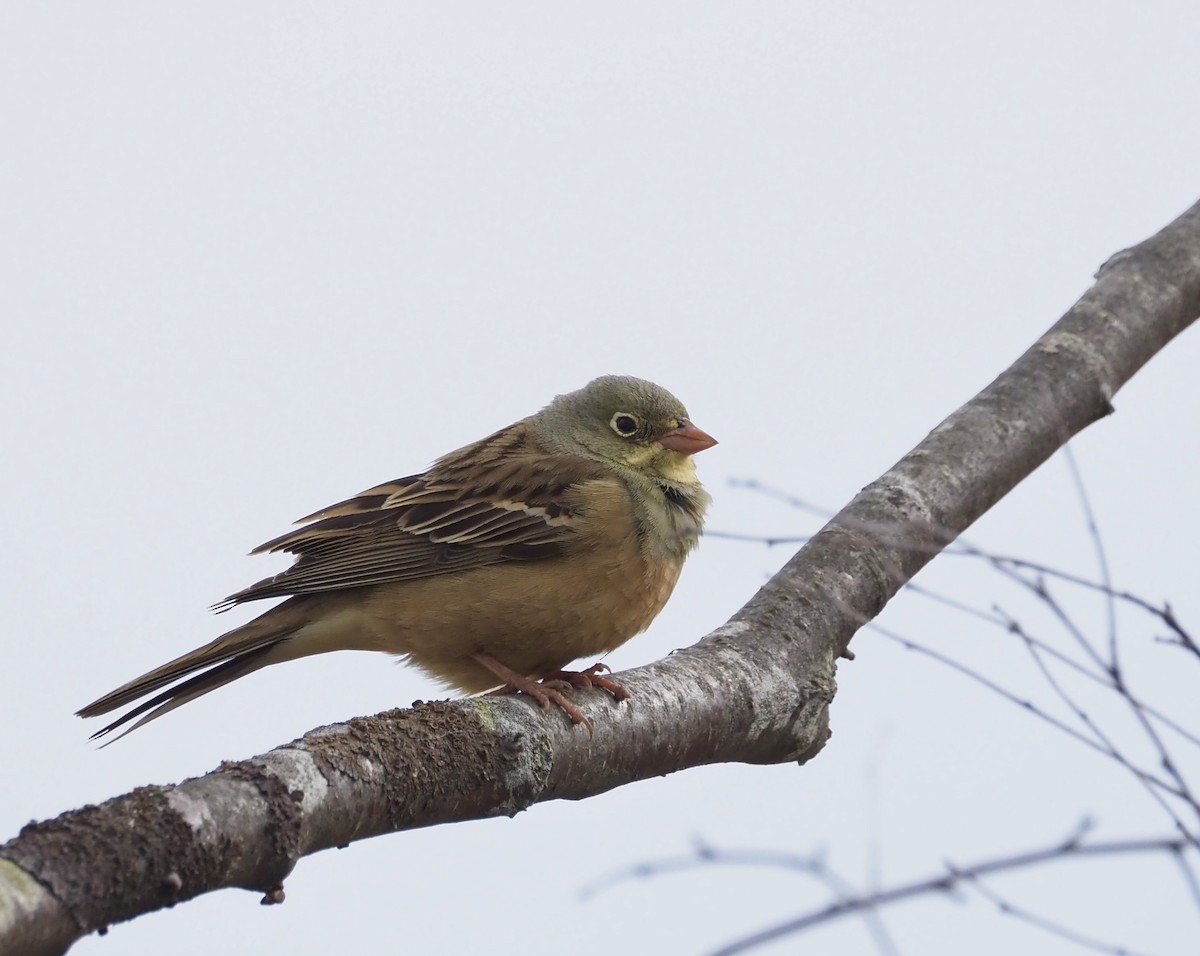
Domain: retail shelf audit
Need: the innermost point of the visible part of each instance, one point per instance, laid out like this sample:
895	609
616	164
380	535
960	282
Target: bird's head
628	422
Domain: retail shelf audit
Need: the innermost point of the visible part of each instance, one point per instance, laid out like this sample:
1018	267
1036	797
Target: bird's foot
545	693
591	677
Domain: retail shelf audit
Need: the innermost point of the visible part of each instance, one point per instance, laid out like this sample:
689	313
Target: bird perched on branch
558	537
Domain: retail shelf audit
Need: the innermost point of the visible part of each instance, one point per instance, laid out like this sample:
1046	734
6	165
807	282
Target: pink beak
687	439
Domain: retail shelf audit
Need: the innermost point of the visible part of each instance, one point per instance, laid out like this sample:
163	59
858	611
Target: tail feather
232	655
180	694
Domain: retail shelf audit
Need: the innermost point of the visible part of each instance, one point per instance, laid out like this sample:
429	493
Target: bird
554	539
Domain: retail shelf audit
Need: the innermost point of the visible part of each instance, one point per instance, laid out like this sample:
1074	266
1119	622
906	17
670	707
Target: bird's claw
545	692
591	677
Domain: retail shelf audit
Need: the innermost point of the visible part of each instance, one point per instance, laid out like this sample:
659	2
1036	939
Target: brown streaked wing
491	502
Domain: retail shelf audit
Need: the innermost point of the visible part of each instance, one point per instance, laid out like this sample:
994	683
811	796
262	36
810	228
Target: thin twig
1101	556
1046	925
944	882
1027	705
705	854
1104	743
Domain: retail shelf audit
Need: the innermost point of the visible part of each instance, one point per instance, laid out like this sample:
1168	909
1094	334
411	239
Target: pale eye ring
624	424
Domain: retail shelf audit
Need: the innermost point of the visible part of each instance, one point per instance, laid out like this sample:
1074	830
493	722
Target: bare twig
1046	925
1101	556
1032	708
951	879
704	855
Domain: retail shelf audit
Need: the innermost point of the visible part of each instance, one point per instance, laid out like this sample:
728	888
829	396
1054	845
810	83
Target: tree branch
951	879
756	690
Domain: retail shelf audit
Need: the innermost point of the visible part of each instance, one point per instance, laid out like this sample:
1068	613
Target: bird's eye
624	424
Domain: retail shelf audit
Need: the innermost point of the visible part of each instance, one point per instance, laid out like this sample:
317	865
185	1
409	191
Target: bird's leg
591	677
544	694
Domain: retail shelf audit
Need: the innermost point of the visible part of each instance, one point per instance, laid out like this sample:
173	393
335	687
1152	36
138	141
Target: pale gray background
256	257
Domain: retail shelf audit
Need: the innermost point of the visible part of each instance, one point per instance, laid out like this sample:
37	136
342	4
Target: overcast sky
255	257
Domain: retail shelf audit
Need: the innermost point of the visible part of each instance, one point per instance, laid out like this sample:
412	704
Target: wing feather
501	499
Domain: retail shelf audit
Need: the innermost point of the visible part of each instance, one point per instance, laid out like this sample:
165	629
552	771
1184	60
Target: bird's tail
232	655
